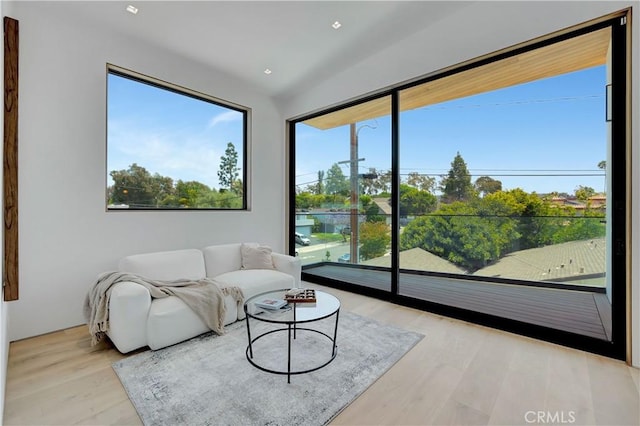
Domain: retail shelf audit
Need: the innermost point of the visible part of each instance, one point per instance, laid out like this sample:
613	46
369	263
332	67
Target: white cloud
176	154
225	117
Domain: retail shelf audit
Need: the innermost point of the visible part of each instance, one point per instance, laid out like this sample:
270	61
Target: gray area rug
208	380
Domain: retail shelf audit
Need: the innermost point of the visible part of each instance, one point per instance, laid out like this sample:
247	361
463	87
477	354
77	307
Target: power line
518	174
521	102
516	170
436	175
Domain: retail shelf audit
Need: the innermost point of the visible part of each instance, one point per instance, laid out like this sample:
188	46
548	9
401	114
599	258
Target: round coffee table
291	318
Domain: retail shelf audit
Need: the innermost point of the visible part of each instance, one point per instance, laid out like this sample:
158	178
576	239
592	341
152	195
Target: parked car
302	239
345	258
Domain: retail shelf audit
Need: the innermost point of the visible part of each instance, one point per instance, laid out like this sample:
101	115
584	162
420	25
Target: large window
171	148
487	192
343	188
518	165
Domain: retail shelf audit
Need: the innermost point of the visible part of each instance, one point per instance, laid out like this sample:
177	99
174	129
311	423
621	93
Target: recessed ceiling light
267	71
132	9
336	25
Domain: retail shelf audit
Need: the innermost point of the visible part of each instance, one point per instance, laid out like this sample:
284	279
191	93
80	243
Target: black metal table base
291	329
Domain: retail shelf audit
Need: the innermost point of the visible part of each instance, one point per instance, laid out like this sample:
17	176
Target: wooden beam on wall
10	166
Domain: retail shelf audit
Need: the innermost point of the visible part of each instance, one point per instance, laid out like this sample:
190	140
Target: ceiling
577	53
294	39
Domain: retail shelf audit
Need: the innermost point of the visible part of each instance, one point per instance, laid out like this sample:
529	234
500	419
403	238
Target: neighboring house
574	262
567	201
419	260
384	208
593	203
597	201
304	224
331	220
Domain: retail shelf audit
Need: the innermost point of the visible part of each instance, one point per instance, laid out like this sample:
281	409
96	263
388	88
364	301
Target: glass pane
171	150
343	184
505	179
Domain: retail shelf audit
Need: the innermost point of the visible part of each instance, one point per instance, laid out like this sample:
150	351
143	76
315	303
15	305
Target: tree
414	202
336	182
368	184
303	200
531	213
188	193
383	183
228	171
375	239
602	165
583	193
371	210
487	185
238	188
474	233
580	227
320	183
466	234
229	199
421	182
136	187
457	186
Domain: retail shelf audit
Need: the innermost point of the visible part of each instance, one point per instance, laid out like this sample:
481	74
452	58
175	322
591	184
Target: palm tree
602	165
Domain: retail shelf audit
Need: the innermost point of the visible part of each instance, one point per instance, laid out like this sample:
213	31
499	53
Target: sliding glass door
342	193
494	192
504	172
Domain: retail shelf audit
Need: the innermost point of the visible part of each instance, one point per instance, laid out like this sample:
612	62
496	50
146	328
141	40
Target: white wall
66	237
479	29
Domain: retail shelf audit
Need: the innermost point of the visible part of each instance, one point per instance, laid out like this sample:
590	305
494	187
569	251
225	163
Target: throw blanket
203	296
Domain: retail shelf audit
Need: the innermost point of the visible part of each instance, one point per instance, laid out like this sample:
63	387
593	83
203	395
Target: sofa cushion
256	257
171	321
166	265
255	281
223	258
129	304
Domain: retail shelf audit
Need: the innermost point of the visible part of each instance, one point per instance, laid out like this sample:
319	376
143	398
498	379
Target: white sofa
136	320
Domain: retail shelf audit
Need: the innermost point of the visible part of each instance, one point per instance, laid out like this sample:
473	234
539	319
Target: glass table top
325	305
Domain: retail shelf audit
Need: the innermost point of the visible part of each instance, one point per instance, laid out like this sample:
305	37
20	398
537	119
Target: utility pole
355	196
355	191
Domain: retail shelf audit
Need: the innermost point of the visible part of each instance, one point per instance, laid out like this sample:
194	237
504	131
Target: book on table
269	303
300	295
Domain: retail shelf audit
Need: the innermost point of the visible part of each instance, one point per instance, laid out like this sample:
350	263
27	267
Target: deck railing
558	249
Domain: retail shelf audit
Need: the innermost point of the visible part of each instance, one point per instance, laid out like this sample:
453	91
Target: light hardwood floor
459	374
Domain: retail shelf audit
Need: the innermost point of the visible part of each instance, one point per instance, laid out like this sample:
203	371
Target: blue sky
167	133
548	127
554	126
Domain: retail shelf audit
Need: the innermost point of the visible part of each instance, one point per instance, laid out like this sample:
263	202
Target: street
317	252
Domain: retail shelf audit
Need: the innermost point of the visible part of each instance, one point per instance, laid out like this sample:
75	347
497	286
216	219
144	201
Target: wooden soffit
585	51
